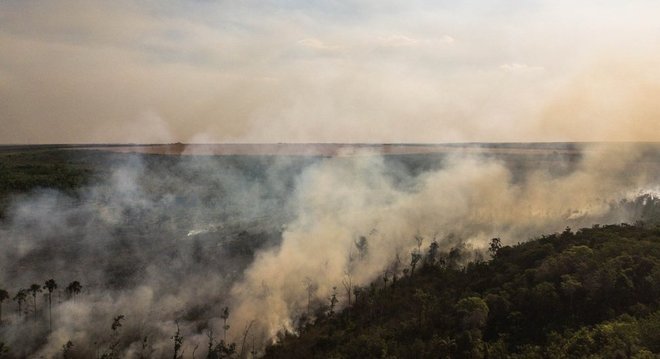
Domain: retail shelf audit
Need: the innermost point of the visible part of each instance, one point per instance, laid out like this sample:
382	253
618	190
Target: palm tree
20	298
225	316
51	286
3	296
34	289
73	289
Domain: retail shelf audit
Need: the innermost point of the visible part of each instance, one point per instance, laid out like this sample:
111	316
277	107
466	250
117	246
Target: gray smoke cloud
469	201
172	239
160	240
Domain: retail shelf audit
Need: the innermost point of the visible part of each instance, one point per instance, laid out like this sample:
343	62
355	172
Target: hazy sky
333	71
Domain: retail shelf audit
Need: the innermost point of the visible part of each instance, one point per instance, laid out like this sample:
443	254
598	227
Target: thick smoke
467	202
171	240
160	240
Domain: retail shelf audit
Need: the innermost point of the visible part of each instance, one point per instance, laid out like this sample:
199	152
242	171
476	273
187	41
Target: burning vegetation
112	255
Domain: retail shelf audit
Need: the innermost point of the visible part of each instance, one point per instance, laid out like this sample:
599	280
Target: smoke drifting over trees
170	242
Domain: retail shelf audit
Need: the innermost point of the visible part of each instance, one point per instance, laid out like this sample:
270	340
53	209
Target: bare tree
245	334
178	342
347	282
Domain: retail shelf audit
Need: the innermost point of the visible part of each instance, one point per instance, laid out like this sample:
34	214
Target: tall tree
225	316
34	289
74	288
20	298
311	288
112	352
494	246
333	302
432	255
67	350
362	246
3	296
415	257
50	285
347	282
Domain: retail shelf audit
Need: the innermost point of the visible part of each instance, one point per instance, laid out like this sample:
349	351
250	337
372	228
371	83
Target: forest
592	293
206	179
115	255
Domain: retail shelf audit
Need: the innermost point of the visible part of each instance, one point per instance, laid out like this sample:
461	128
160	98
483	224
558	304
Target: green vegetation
594	293
590	294
23	170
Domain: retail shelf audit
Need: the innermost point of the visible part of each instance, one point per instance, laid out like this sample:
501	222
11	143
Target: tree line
589	293
22	298
594	292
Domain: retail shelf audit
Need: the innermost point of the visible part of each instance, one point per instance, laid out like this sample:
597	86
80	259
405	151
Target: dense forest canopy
590	293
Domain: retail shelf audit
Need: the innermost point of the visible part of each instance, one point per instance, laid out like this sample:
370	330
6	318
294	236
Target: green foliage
494	246
593	293
27	169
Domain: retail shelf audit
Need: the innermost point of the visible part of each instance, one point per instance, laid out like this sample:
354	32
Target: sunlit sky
87	71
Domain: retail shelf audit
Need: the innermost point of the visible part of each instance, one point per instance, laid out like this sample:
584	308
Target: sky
92	71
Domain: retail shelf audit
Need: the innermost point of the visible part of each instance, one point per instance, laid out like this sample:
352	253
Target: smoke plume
172	240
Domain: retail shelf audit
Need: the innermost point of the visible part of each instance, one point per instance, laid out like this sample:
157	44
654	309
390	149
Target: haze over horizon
338	156
75	71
